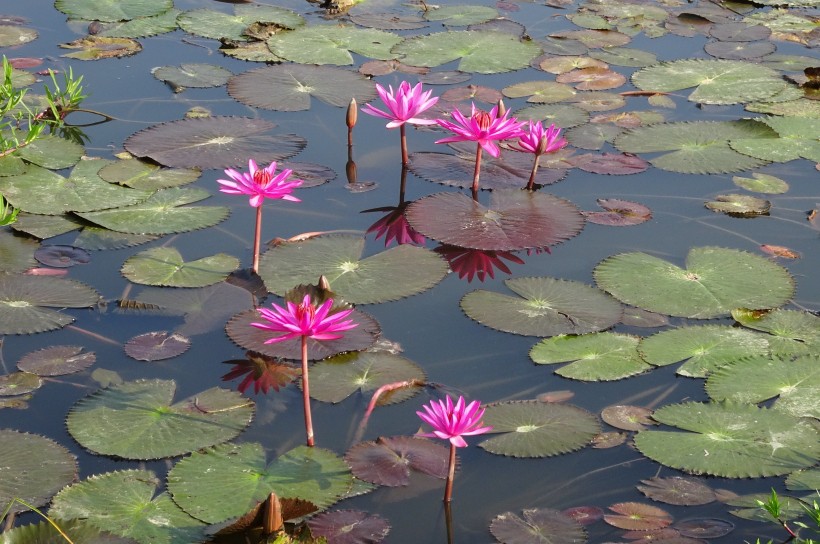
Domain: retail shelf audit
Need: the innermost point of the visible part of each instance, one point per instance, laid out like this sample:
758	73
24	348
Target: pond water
430	328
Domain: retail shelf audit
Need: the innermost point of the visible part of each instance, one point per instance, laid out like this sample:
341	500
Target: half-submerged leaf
136	420
26	302
592	357
164	266
392	461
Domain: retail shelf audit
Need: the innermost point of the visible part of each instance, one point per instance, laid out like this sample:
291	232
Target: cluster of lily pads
758	357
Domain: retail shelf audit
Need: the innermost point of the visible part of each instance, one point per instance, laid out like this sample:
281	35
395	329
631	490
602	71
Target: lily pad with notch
739	205
16	384
762	183
156	346
57	360
391	461
349	527
617	164
213	142
146	176
199	483
336	378
600	356
544	307
101	47
136	420
164	266
196	74
111	10
332	44
627	417
790	331
79	531
513	220
289	87
619	213
26	302
143	27
635	516
535	429
715	281
218	25
537	526
795	138
59	256
52	152
393	274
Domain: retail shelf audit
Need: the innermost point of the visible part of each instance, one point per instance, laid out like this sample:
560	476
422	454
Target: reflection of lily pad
136	420
535	429
213	142
335	379
396	273
332	44
715	281
538	526
596	356
26	302
514	220
544	307
200	483
391	461
164	266
730	440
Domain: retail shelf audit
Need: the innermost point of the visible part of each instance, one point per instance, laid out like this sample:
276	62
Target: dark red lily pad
349	527
62	256
635	516
677	490
156	346
391	461
627	418
239	329
213	142
513	220
538	526
56	361
620	213
616	164
584	515
704	527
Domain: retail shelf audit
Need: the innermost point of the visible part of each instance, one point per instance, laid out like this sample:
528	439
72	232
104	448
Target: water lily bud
502	109
352	113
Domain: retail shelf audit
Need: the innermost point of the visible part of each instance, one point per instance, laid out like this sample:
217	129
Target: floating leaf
704	528
349	527
797	138
538	526
739	205
740	50
628	418
610	163
162	213
391	461
804	480
794	381
143	27
591	136
332	44
101	47
156	346
199	483
126	503
197	75
62	256
635	516
16	35
476	50
715	281
592	79
596	356
26	302
779	251
705	348
56	361
16	253
395	273
730	440
544	307
539	91
50	151
619	213
536	429
136	420
461	15
79	531
563	115
624	56
146	176
213	142
98	238
111	10
164	266
595	38
677	490
387	21
218	25
19	383
513	220
335	379
34	468
762	183
791	331
289	87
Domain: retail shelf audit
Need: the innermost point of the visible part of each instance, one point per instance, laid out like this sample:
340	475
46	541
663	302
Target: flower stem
256	239
306	393
477	171
404	159
448	487
532	173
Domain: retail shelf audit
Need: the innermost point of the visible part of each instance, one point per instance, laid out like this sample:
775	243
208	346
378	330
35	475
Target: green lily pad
42	191
197	75
200	483
804	480
790	507
677	490
112	10
730	440
624	56
717	81
136	420
97	238
461	15
143	27
79	531
289	87
332	44
101	47
51	152
146	176
762	183
714	282
16	253
393	274
217	25
797	137
477	51
162	213
562	115
534	429
126	503
795	108
544	307
602	356
16	35
539	91
739	205
164	266
700	147
46	226
19	383
791	331
34	468
26	302
794	381
336	378
705	348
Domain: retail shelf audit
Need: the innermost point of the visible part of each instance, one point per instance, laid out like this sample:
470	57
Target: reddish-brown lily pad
391	461
628	418
619	213
593	79
677	490
56	360
635	516
584	515
156	346
538	526
513	220
349	527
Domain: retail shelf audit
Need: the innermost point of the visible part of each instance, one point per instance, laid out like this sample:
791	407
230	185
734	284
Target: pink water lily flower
403	105
539	140
483	127
305	320
451	422
260	184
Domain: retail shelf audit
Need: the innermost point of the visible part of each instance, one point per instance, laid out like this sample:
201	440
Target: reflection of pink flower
453	422
403	105
260	184
539	140
476	262
263	372
482	127
305	320
394	226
